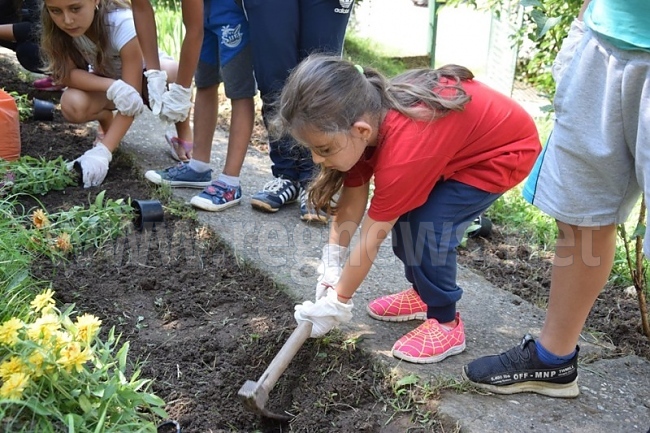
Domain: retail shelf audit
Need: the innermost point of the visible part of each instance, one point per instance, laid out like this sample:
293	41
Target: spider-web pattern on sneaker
430	342
398	307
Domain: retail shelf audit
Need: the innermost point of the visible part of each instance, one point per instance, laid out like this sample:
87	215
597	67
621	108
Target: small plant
24	105
58	375
28	175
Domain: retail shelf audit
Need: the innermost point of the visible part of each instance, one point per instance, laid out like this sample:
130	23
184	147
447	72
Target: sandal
174	143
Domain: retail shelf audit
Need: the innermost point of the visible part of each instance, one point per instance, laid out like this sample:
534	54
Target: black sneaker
519	370
275	194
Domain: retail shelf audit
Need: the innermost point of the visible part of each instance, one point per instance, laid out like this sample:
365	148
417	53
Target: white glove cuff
183	91
153	74
334	255
100	151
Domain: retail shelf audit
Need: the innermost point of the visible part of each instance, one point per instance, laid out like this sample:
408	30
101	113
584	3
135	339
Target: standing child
589	178
225	55
441	147
283	32
91	47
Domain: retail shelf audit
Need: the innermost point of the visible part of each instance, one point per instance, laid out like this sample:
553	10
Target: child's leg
78	106
426	238
242	118
183	129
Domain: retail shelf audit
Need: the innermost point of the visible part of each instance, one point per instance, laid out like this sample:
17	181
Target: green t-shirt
625	23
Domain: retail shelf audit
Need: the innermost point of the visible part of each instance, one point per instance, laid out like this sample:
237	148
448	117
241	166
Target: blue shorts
226	53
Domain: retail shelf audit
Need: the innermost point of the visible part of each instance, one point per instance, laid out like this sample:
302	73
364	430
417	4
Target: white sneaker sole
206	204
154	177
432	359
558	390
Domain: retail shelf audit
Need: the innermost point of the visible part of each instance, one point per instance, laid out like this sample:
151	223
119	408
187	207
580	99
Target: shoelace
516	356
177	169
275	185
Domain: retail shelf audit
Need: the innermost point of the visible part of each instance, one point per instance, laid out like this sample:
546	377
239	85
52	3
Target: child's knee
73	108
171	67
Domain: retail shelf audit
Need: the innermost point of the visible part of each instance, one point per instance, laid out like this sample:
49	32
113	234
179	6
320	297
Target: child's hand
176	103
156	86
127	100
330	269
93	165
325	314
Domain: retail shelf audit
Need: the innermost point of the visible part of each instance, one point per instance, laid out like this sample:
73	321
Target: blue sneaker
180	175
217	197
275	194
307	212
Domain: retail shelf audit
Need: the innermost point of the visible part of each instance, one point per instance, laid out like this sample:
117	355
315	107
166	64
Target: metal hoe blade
255	395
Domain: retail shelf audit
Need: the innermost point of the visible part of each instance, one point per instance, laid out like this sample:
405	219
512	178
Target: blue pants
425	240
284	32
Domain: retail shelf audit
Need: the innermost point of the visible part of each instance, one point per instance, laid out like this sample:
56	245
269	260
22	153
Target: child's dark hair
57	46
330	94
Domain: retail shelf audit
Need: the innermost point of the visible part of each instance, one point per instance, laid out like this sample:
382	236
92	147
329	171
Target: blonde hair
330	94
57	46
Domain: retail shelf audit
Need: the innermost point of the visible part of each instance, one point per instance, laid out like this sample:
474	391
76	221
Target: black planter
484	231
147	214
169	427
42	110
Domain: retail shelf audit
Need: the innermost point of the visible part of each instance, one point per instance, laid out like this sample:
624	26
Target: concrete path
615	392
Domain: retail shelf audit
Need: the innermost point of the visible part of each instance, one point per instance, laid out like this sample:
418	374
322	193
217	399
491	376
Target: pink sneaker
430	342
399	307
47	84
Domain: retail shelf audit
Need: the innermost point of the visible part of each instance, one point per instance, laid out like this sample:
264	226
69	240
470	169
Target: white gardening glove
329	271
325	314
156	86
127	100
177	102
93	165
567	51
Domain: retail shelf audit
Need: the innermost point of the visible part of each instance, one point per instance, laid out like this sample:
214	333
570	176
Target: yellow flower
63	242
43	328
73	357
39	219
36	360
11	366
87	327
43	301
9	331
14	386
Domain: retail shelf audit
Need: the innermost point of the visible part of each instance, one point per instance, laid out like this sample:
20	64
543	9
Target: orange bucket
9	127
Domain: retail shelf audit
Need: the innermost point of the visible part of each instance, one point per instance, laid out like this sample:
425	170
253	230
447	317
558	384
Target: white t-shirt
121	30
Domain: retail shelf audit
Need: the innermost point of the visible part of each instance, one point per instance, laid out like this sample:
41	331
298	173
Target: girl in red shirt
441	147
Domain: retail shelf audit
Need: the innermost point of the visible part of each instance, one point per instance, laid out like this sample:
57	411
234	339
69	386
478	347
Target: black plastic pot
147	214
42	110
484	231
170	426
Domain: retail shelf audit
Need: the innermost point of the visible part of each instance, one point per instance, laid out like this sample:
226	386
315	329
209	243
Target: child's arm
145	27
131	56
177	102
351	207
361	258
191	47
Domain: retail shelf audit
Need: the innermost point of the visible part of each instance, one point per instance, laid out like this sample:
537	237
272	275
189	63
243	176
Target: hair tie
360	69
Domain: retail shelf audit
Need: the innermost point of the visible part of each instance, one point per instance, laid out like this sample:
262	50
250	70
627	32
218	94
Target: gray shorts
592	171
237	75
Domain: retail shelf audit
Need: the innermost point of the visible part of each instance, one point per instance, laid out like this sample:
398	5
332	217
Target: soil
203	324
